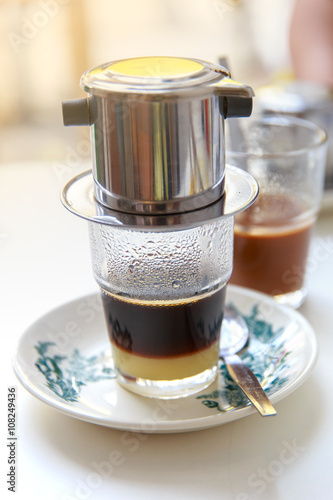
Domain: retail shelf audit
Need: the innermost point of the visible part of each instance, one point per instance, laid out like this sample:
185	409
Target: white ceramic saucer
64	359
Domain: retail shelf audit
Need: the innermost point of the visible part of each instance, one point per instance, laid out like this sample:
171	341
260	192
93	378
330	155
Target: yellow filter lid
156	67
154	74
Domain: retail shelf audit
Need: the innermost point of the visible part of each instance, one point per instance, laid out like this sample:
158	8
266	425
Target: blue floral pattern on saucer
66	383
265	354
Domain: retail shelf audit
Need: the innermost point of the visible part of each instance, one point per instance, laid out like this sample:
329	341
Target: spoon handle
249	384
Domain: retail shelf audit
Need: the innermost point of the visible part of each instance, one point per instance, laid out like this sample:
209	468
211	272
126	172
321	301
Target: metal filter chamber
157	132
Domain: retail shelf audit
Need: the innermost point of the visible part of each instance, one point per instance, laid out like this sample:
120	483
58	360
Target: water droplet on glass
176	284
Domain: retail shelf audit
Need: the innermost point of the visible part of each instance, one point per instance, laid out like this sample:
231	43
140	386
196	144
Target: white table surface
45	262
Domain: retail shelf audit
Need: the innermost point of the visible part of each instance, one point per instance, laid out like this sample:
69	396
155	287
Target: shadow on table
245	459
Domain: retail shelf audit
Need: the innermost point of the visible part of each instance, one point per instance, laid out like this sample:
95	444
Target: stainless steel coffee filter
157	131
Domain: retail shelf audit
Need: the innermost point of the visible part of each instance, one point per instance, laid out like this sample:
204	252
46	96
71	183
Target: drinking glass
287	157
163	293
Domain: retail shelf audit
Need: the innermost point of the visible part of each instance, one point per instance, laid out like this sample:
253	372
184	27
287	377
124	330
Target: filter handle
236	107
78	112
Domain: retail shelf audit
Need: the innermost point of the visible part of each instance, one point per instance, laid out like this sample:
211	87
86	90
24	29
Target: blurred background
45	46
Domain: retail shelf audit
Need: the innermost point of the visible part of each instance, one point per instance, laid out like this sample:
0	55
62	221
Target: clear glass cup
163	293
287	157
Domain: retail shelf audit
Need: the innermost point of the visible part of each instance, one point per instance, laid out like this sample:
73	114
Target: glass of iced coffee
287	157
163	295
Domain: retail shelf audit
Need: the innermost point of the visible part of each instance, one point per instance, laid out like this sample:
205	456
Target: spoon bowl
235	333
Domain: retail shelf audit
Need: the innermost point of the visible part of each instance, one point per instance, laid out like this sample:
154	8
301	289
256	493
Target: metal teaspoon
234	336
